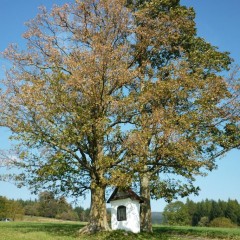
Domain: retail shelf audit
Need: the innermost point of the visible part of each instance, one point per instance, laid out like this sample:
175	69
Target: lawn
200	233
69	231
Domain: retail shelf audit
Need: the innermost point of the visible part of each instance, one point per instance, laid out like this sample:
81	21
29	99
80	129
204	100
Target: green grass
40	230
203	232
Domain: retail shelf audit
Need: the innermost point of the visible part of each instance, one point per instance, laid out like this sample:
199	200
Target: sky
218	21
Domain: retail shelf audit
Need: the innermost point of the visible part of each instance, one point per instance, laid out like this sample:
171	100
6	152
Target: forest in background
47	205
205	213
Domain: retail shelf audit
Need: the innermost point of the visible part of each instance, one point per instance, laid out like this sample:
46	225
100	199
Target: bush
69	215
222	222
204	222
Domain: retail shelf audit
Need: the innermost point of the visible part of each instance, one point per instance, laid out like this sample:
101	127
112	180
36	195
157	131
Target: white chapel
125	210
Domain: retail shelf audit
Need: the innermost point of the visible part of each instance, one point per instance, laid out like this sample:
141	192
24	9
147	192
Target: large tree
188	114
66	98
110	89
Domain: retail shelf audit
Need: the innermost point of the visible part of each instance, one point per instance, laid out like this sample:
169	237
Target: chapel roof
119	193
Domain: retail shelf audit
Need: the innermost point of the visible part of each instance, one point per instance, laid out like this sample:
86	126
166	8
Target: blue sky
218	21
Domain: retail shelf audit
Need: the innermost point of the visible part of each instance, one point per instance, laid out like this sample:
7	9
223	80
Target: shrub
69	215
222	222
203	222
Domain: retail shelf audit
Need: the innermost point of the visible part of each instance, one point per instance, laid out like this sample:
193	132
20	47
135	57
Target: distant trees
10	209
50	206
83	214
176	213
3	207
30	207
204	213
14	210
47	205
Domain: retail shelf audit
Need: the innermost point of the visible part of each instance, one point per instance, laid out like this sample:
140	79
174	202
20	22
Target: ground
49	229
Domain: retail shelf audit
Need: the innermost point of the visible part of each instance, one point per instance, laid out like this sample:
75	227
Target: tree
14	210
216	211
192	211
232	211
50	206
31	209
83	214
108	91
176	213
47	205
185	108
3	207
199	212
66	98
10	209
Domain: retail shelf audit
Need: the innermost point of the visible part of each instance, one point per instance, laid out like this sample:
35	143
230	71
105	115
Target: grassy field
43	229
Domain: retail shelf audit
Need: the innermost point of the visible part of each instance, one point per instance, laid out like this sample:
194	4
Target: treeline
205	213
10	209
47	205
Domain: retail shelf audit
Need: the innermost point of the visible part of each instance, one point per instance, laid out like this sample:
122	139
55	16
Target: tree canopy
110	91
185	107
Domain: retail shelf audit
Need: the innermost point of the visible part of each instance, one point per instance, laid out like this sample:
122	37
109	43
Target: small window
121	213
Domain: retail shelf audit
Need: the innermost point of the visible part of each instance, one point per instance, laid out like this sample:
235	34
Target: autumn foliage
109	92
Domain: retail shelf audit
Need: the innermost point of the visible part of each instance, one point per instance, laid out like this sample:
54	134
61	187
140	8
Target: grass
200	232
38	231
45	229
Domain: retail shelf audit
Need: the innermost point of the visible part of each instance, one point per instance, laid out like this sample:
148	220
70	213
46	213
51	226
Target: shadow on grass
72	230
55	229
123	235
160	232
172	229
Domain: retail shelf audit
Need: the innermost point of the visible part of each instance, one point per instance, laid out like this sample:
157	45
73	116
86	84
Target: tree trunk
98	212
145	213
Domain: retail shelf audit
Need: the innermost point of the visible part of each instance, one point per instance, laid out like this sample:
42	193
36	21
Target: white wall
133	215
